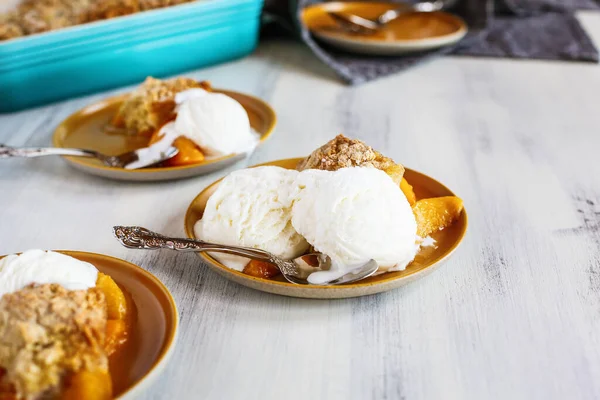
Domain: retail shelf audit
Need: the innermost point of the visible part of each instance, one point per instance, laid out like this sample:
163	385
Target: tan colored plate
85	129
412	32
154	332
426	261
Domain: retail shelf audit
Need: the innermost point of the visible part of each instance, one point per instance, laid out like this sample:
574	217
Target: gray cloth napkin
540	29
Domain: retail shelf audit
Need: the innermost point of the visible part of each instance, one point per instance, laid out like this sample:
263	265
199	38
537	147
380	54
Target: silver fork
295	271
135	159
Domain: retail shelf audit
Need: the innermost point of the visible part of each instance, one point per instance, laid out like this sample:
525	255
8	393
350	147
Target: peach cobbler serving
345	200
60	322
200	123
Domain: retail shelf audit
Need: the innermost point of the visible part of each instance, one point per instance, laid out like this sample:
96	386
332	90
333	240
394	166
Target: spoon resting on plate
358	24
296	270
140	158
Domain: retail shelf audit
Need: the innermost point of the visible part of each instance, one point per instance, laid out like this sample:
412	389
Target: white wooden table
515	314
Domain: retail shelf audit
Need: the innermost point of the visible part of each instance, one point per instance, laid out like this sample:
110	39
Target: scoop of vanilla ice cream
217	123
354	215
252	208
42	267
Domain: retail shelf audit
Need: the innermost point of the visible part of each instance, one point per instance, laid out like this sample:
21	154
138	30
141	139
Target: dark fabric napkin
537	29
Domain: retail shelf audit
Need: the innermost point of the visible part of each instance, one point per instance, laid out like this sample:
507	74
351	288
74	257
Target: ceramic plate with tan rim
411	32
86	129
153	331
426	261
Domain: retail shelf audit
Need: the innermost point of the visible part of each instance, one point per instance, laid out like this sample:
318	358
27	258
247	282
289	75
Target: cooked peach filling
189	152
116	304
89	385
97	385
86	379
437	213
116	310
407	189
152	105
261	269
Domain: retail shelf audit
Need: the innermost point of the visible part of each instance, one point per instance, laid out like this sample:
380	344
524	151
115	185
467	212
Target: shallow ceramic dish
152	340
412	32
119	51
86	129
426	261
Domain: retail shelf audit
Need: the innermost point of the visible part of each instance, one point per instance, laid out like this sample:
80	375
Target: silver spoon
356	23
139	158
295	271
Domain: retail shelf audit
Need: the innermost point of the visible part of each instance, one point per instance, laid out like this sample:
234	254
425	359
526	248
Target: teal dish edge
105	63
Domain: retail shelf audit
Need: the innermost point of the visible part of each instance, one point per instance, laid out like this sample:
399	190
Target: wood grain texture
514	314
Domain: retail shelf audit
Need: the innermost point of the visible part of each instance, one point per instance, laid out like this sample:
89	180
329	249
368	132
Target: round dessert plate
426	261
152	339
86	129
411	32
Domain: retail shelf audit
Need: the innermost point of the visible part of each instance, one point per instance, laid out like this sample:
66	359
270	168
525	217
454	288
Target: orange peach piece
7	390
437	213
407	189
116	335
118	121
89	385
116	304
7	395
261	269
189	152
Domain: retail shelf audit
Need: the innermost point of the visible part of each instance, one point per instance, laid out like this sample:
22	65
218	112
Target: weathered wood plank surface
515	314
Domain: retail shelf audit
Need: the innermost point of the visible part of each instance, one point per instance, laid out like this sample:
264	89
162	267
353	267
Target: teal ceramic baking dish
42	68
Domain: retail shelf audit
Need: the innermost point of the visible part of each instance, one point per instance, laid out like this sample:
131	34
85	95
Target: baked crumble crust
152	104
47	333
343	152
37	16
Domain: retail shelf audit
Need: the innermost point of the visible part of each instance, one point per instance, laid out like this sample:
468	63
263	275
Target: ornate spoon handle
8	152
136	237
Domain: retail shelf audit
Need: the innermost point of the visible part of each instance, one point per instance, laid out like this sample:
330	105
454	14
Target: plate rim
219	267
148	378
141	384
58	136
390	45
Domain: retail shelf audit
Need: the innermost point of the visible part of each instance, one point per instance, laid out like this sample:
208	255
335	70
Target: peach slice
7	390
437	213
189	152
116	304
407	189
89	385
261	269
116	335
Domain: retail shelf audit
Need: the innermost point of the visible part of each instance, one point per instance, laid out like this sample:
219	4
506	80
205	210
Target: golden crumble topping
151	4
36	16
151	105
47	333
106	9
343	152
